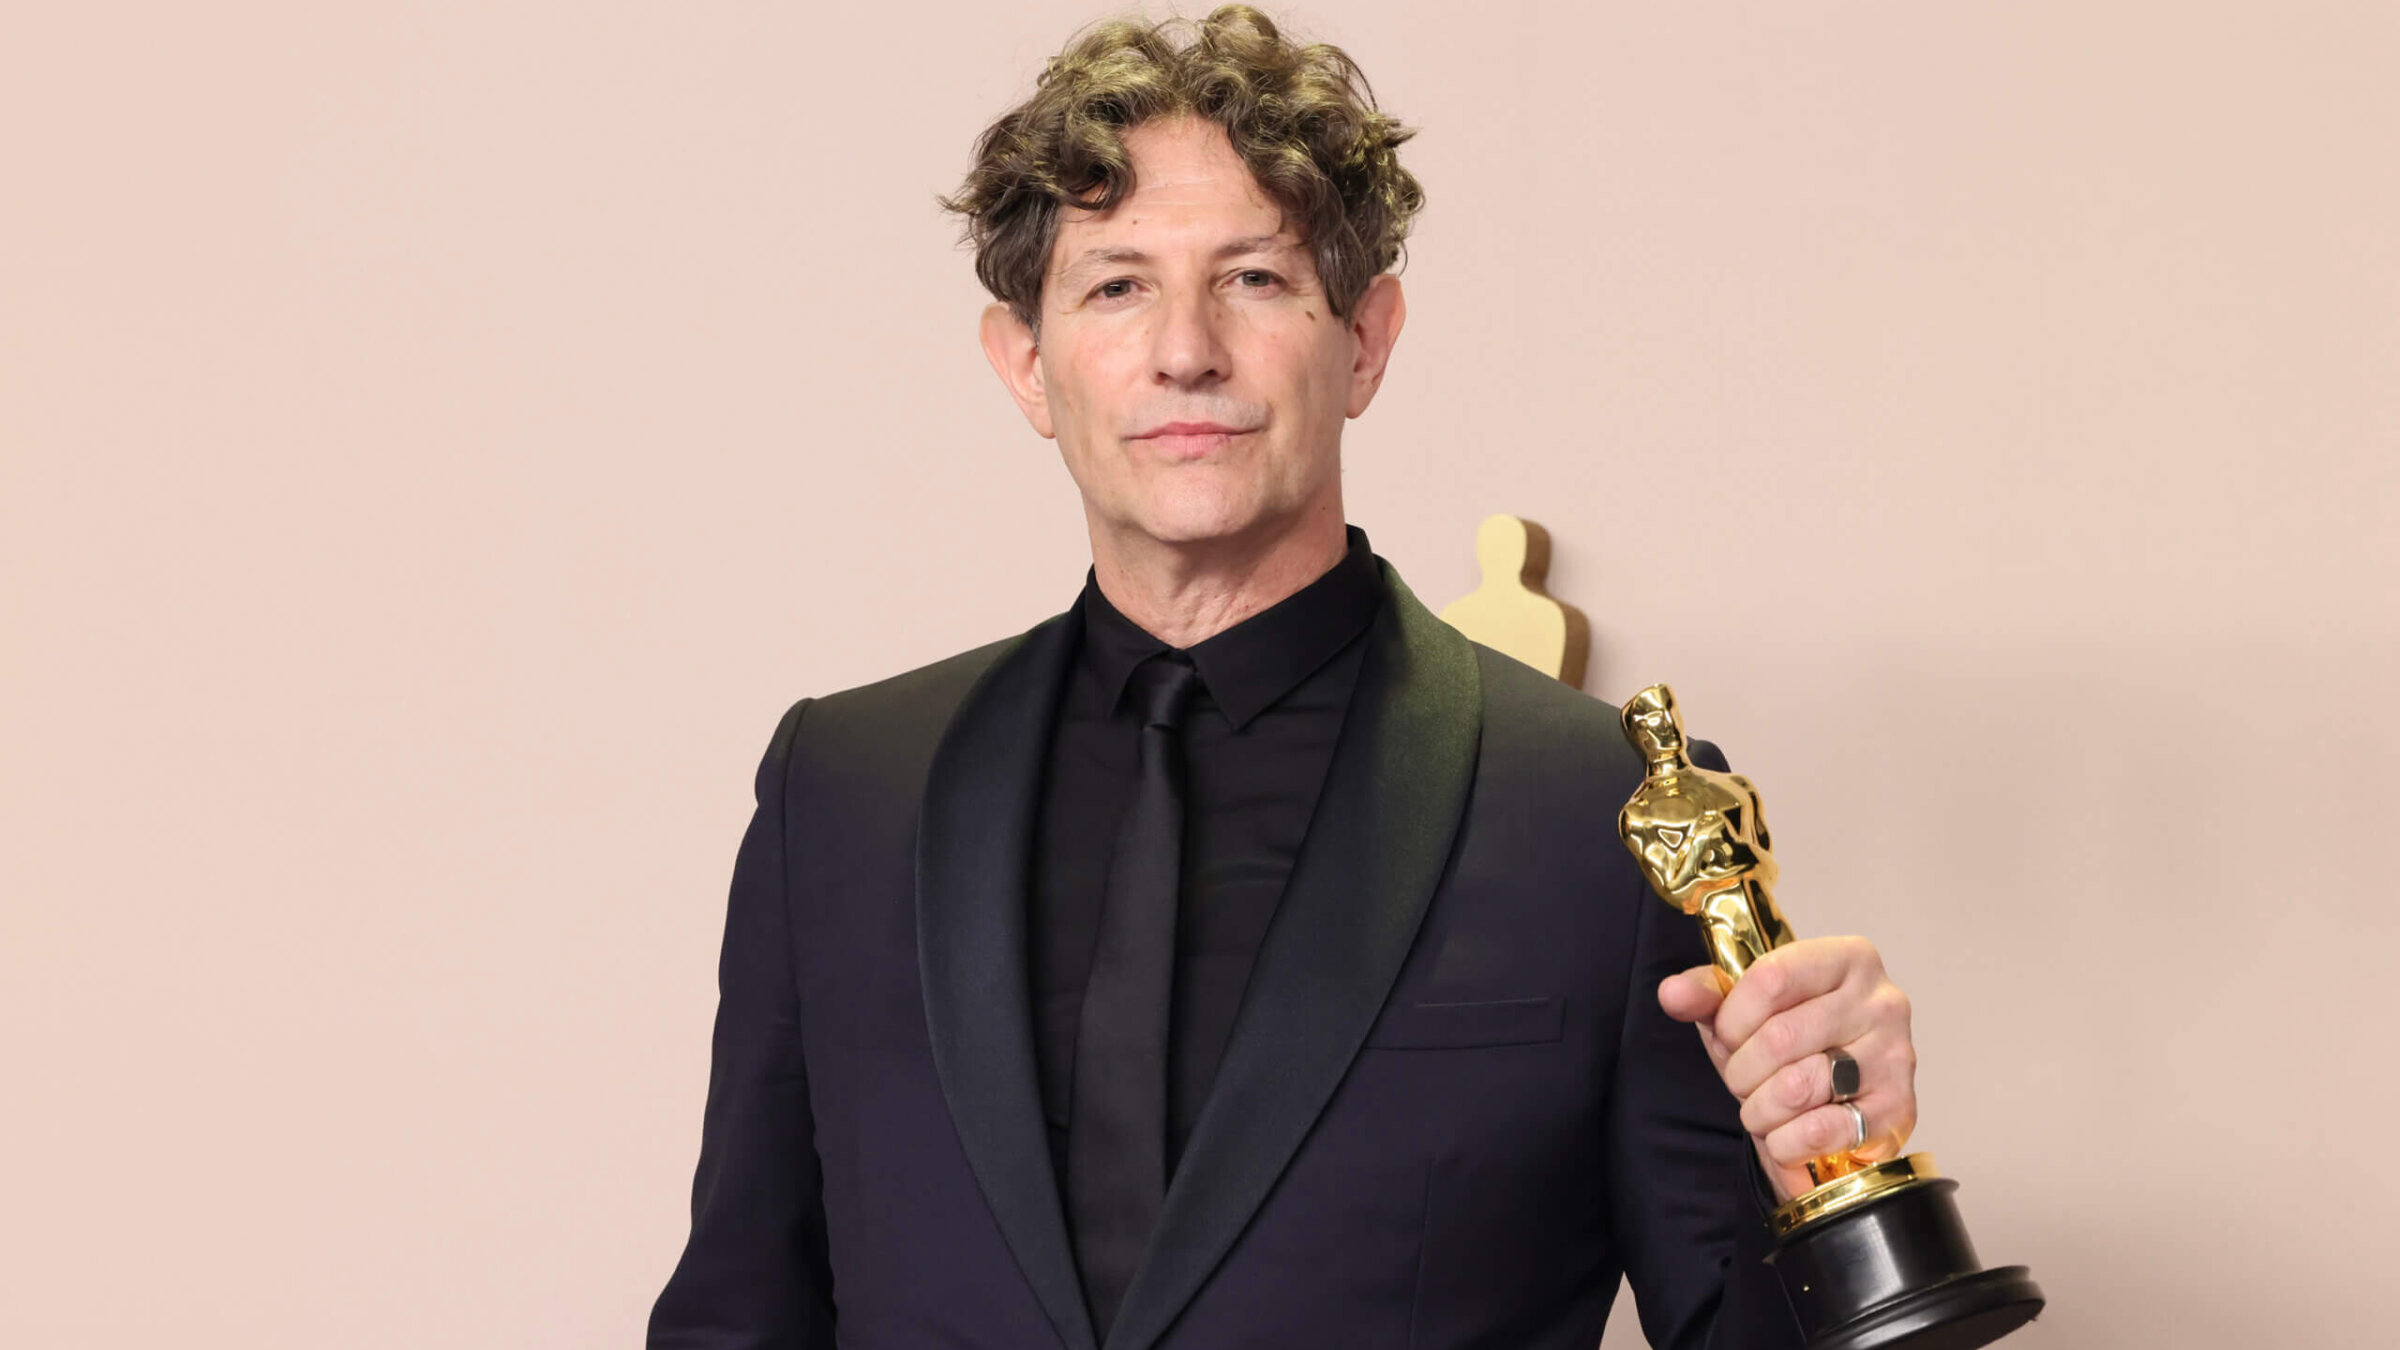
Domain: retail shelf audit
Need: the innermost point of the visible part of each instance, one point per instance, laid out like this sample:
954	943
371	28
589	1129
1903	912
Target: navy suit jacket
1450	1115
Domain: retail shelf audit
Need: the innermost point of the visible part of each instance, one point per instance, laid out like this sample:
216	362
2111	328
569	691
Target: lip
1190	429
1189	447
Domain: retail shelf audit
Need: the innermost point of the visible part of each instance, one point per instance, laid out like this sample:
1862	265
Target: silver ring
1859	1119
1842	1071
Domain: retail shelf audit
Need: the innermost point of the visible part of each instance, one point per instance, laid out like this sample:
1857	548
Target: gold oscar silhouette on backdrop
1510	612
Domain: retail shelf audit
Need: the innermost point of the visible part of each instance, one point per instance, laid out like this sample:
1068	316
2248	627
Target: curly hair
1303	118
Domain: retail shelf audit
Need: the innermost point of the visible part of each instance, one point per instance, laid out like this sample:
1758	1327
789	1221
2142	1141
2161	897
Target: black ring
1845	1075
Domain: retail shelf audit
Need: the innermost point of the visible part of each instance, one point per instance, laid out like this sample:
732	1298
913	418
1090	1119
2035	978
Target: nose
1188	347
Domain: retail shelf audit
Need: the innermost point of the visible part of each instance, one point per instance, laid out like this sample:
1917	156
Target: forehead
1191	193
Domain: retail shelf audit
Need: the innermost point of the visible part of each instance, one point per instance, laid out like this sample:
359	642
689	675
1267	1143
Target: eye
1247	273
1102	291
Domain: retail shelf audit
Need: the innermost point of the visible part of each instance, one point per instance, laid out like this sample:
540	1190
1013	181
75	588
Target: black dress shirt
1257	738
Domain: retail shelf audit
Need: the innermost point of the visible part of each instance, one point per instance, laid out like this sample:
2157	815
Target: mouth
1191	440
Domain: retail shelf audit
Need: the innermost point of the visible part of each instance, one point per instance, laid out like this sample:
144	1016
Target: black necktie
1117	1123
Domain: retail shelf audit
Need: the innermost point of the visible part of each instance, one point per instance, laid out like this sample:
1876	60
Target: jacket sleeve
1687	1200
754	1272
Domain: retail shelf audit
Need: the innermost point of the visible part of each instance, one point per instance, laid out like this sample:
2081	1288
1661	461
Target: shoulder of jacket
946	680
888	725
1519	698
1529	713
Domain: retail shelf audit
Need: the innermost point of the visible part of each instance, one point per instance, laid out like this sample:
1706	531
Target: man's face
1189	366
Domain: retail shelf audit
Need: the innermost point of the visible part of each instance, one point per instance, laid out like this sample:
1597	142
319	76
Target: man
1241	957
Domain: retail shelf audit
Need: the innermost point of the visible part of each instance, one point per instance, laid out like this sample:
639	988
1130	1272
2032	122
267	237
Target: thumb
1691	995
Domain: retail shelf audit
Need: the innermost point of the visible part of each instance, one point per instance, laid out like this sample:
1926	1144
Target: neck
1184	592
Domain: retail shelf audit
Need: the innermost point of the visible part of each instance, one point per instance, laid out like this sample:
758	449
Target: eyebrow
1092	258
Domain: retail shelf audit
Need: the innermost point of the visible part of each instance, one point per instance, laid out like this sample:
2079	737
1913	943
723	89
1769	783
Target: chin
1190	531
1200	517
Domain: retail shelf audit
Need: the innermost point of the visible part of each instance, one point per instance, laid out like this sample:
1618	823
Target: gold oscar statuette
1874	1255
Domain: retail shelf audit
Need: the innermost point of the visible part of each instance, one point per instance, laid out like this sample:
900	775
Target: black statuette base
1898	1273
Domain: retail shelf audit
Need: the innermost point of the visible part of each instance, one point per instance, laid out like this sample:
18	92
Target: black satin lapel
1375	850
974	847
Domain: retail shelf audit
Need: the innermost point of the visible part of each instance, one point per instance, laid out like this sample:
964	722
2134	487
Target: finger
1691	995
1798	1033
1717	1051
1887	1076
1828	1131
1821	1132
1789	1093
1791	975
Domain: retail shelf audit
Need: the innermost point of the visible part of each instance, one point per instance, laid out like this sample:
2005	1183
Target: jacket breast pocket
1451	1026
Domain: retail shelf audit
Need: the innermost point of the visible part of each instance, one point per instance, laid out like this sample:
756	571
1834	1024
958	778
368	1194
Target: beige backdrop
440	439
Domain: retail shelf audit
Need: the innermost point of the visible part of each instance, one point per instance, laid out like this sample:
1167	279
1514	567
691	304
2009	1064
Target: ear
1375	324
1008	344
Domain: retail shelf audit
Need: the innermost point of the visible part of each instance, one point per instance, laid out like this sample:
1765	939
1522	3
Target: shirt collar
1249	666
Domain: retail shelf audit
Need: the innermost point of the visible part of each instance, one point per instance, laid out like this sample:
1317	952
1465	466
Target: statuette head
1654	728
